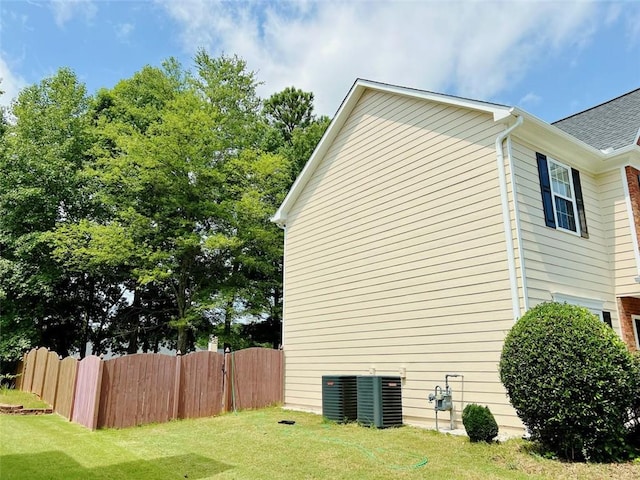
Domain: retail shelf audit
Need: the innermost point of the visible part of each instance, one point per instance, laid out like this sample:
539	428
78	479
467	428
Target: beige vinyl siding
396	258
557	261
614	211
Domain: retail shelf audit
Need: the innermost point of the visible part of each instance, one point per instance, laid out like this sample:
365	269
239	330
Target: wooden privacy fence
151	387
52	379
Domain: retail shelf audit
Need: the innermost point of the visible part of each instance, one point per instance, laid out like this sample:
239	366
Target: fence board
66	387
29	368
87	396
20	373
147	388
201	385
255	377
51	378
40	371
137	389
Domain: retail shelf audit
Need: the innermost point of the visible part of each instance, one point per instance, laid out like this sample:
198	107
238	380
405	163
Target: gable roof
498	111
611	125
536	131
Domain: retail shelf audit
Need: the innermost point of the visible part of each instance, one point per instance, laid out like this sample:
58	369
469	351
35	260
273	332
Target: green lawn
10	396
253	445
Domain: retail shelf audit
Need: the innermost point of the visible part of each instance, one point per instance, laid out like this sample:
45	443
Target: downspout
516	217
506	217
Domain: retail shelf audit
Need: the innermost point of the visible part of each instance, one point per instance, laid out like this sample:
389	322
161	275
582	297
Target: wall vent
379	401
339	401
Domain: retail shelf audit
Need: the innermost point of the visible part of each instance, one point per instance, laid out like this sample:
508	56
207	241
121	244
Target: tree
303	143
164	138
140	217
289	109
39	187
256	184
294	131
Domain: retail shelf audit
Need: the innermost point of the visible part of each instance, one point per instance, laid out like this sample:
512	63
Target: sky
550	58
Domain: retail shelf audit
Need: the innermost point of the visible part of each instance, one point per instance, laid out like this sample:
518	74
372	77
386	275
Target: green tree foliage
42	153
140	217
571	380
294	131
479	423
303	143
288	110
256	184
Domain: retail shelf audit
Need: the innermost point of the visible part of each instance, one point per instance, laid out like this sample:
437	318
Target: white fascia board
360	85
280	217
499	112
593	160
561	134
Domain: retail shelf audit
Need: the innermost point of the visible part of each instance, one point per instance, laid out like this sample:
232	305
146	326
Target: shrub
570	379
633	424
479	423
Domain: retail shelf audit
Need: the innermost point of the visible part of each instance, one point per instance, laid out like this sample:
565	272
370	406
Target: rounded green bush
479	422
570	379
633	425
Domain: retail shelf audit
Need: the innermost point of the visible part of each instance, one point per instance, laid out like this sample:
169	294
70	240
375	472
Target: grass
253	445
9	396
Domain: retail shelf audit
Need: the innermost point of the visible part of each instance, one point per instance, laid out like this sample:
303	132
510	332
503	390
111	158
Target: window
561	196
594	306
636	329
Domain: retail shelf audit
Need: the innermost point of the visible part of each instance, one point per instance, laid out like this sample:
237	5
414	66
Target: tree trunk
182	339
228	318
277	318
135	322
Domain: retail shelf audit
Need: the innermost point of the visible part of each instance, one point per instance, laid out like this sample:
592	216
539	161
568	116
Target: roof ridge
595	106
432	92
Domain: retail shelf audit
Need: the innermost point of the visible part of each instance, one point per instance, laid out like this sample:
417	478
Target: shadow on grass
60	466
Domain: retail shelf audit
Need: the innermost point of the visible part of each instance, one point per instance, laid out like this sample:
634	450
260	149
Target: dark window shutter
580	203
606	318
545	188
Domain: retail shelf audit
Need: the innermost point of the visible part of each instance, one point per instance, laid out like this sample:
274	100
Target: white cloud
10	83
123	31
530	99
65	10
475	49
633	26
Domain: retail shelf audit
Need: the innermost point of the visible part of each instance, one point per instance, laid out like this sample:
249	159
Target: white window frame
594	306
635	330
571	199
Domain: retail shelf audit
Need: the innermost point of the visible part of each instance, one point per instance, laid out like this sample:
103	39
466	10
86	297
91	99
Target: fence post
176	386
20	372
97	400
73	391
29	369
226	382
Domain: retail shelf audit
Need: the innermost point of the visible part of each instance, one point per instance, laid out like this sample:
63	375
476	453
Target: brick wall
628	306
633	181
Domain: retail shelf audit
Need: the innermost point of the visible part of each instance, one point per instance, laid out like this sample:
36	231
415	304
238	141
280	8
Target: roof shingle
613	124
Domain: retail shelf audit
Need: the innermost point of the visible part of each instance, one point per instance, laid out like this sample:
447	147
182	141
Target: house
424	225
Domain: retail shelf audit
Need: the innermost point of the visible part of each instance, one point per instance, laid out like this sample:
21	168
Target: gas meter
443	398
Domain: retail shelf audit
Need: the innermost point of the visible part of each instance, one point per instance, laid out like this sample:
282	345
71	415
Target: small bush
571	380
479	423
